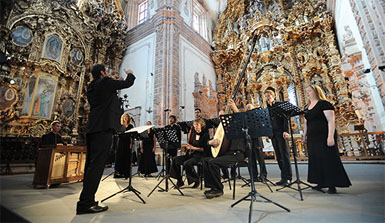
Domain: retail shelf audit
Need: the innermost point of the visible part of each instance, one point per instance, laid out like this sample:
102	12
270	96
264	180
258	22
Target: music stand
165	136
135	133
254	123
159	134
288	110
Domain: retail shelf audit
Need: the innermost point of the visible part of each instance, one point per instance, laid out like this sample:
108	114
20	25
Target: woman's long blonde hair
318	92
122	119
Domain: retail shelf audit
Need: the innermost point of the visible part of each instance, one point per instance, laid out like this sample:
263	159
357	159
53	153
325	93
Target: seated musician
197	148
233	154
51	139
257	153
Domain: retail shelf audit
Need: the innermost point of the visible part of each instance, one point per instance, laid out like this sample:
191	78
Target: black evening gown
123	154
325	166
147	164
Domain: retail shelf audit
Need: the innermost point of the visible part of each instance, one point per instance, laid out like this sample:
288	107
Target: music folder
140	129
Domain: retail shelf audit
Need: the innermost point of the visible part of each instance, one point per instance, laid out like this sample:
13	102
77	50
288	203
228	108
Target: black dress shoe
196	184
280	183
179	184
208	191
92	209
286	182
213	193
332	190
318	188
119	176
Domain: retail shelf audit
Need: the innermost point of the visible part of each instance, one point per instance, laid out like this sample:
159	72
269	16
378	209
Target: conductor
103	121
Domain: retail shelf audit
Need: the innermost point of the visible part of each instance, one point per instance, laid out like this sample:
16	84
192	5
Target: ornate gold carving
81	38
295	47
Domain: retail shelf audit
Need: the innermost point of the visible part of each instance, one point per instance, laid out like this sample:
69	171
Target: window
142	12
195	22
199	20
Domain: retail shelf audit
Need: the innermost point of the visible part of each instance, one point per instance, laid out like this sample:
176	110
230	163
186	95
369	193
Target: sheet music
140	129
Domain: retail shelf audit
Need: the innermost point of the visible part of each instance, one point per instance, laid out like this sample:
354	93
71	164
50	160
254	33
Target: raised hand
128	71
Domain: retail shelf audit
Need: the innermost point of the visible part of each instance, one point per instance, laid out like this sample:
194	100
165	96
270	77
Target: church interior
188	55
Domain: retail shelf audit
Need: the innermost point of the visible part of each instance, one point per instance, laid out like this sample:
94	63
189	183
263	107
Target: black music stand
165	136
135	133
254	123
161	139
288	110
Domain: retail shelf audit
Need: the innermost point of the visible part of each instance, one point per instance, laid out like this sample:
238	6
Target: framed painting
68	107
22	36
44	97
28	96
39	96
8	97
53	47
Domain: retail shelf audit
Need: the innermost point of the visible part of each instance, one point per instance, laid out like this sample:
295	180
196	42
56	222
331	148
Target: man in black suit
172	147
52	138
103	121
280	132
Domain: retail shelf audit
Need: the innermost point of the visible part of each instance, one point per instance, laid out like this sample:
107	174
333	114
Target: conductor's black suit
103	121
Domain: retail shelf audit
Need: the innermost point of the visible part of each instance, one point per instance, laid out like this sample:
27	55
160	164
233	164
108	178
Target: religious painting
53	47
22	36
76	56
28	96
44	97
7	97
68	107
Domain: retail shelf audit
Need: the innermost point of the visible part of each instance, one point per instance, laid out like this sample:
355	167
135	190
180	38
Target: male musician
52	138
103	121
198	113
280	131
172	147
235	153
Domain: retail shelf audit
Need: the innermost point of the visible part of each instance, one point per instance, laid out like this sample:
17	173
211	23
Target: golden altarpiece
295	47
49	48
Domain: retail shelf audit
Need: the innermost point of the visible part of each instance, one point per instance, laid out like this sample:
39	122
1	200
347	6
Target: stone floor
363	202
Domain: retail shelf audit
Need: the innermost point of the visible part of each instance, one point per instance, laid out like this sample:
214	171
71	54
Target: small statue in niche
243	23
260	6
229	25
276	39
275	9
348	33
264	44
236	27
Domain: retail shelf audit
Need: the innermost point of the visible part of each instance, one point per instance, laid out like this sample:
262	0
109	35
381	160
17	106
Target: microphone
166	110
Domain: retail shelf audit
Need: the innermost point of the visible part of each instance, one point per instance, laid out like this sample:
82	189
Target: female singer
147	164
123	153
197	148
325	168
